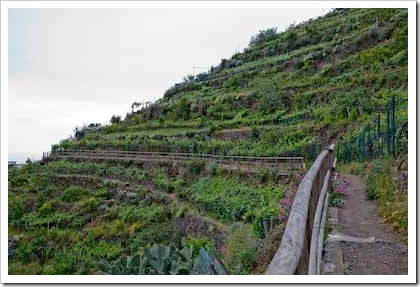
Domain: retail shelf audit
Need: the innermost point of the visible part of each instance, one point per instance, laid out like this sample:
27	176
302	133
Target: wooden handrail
119	152
287	163
292	257
314	261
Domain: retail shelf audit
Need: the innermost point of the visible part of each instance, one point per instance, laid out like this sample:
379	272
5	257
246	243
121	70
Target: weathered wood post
292	257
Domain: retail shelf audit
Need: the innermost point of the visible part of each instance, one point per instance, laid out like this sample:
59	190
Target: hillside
286	94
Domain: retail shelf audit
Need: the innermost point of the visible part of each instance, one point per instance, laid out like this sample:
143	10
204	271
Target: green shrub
196	166
103	193
241	249
198	242
262	175
212	129
46	208
91	204
393	203
255	133
17	208
270	136
65	264
25	250
16	180
357	168
212	168
106	250
73	193
49	191
164	233
264	36
162	181
379	182
233	200
132	213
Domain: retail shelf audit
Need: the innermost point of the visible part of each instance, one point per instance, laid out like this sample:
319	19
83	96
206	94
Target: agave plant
166	260
123	266
159	259
208	264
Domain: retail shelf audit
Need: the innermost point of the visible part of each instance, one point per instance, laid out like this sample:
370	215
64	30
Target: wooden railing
300	249
283	165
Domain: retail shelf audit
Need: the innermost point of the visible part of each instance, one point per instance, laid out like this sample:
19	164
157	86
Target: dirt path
359	216
361	243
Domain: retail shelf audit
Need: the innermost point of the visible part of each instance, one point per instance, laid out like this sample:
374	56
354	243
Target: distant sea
21	158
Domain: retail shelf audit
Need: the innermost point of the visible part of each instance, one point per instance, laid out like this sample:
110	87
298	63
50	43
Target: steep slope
288	93
308	85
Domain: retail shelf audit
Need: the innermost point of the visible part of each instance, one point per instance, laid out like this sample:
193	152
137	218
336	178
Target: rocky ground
359	242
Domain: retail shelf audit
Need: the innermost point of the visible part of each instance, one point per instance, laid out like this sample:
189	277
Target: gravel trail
361	244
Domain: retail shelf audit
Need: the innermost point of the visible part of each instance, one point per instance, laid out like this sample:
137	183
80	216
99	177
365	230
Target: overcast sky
69	67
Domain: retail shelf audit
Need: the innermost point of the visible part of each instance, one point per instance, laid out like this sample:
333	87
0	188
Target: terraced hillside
286	95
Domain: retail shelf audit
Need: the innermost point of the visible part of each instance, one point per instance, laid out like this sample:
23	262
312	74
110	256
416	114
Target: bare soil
359	217
376	258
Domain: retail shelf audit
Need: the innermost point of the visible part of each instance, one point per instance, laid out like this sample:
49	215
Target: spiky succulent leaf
104	266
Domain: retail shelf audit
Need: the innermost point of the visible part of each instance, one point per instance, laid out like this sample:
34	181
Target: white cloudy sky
69	67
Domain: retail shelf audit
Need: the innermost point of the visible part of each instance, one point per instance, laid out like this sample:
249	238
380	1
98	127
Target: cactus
159	259
122	266
163	260
208	264
185	262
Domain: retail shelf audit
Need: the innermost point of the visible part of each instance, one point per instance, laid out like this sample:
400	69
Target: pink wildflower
224	251
341	189
286	202
290	193
283	218
346	182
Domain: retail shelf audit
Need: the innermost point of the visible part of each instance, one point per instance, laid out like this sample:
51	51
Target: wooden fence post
292	257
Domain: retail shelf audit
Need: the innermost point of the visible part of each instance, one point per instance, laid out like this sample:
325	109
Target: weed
393	202
339	186
241	249
73	193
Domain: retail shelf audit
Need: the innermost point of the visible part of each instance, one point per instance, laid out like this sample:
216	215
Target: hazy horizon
70	67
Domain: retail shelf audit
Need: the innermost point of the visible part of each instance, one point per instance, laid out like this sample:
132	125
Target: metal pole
362	145
387	131
369	142
378	133
393	126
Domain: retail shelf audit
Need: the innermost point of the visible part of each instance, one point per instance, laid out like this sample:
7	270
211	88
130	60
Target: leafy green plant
25	250
197	242
66	264
151	214
339	185
91	204
103	193
208	264
162	181
46	208
73	193
230	199
212	168
123	266
392	201
106	250
18	208
241	249
263	36
165	260
335	200
196	166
